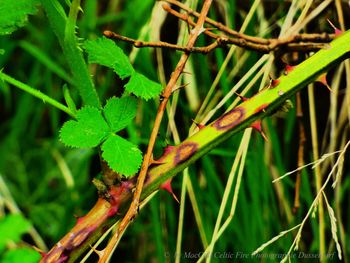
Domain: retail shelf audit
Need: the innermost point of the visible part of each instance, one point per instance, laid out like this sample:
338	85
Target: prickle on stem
288	69
322	79
257	126
337	31
273	83
167	187
199	126
241	97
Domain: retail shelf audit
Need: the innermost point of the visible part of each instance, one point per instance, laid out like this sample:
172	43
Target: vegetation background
49	184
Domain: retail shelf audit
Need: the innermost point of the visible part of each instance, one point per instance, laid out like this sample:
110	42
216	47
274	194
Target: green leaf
21	255
103	51
11	228
89	130
121	155
143	87
119	112
14	14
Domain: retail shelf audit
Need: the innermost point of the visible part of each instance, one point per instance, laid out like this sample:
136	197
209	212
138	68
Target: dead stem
301	42
302	140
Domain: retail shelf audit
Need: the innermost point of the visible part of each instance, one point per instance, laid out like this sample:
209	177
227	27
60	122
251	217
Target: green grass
51	184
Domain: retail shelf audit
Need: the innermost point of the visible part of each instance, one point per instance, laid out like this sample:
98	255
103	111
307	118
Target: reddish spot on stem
168	149
79	219
117	192
112	211
288	69
229	119
261	108
199	126
184	151
241	97
274	83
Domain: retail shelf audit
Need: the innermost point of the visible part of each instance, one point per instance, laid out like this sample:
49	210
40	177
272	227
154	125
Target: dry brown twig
300	42
133	209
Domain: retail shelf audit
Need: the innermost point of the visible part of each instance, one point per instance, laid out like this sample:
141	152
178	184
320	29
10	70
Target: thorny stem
134	206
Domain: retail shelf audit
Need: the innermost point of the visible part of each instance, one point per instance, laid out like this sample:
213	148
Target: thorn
167	187
210	29
186	72
79	219
322	79
257	126
152	161
274	82
337	31
241	97
199	126
201	30
41	252
288	68
180	87
99	253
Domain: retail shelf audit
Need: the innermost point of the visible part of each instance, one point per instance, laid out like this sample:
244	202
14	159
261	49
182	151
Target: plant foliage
103	51
14	14
12	227
94	127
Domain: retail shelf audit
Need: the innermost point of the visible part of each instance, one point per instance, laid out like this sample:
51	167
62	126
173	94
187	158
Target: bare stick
292	43
161	44
324	37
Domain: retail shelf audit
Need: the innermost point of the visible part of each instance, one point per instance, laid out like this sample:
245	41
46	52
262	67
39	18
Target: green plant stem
36	93
177	158
64	28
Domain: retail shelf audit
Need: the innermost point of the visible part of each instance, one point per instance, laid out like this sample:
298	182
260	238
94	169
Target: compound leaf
89	130
119	112
14	14
103	51
121	155
143	87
